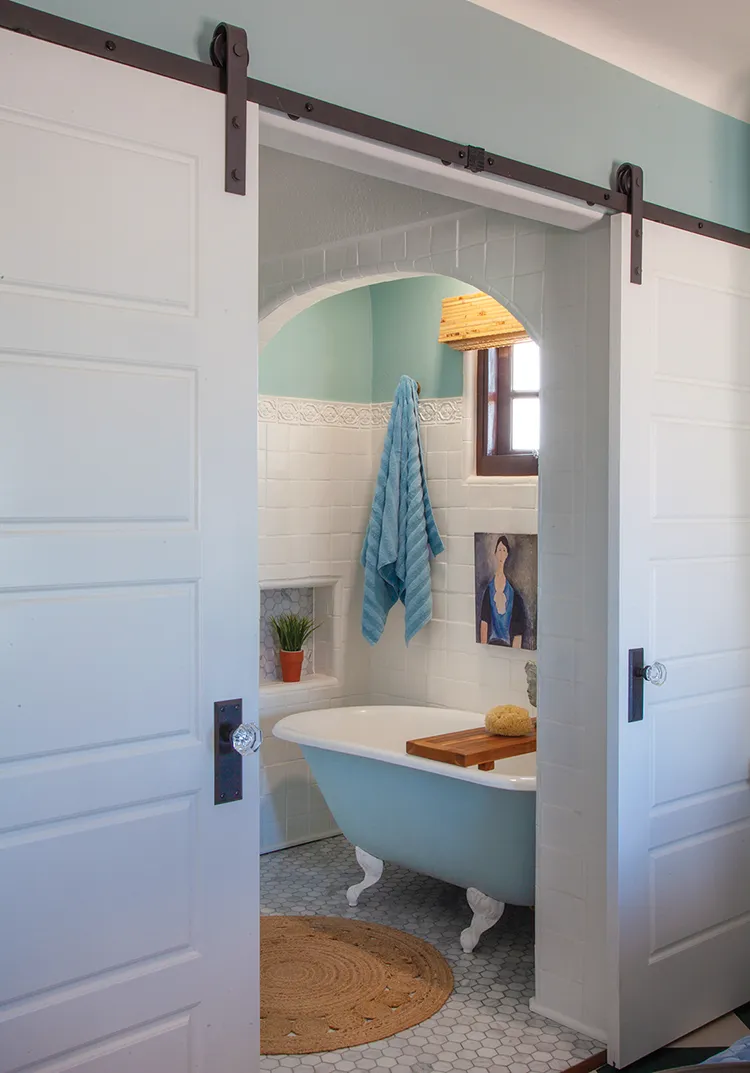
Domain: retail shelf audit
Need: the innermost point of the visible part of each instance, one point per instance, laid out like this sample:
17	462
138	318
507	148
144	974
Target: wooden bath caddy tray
465	748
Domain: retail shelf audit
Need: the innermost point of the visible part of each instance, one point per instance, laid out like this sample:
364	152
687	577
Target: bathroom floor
486	1024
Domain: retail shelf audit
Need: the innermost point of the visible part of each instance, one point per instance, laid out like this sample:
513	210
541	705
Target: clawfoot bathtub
473	828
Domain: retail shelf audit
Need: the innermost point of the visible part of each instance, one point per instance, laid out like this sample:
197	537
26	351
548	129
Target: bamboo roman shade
476	322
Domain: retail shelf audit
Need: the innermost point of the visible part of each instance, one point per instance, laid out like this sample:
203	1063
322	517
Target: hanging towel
401	532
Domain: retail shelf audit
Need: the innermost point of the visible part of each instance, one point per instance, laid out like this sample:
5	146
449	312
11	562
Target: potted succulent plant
291	631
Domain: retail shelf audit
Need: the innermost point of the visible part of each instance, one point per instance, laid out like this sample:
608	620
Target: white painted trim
303	138
552	1015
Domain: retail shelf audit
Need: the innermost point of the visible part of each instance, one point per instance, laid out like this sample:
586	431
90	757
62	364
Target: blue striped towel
401	532
738	1052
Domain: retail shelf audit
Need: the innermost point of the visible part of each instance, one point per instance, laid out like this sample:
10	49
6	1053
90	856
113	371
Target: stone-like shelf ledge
309	681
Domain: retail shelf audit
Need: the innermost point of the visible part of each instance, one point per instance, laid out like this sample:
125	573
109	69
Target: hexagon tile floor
485	1025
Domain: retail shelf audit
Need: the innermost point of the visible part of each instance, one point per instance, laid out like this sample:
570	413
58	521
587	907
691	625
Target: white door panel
128	589
57	477
679	823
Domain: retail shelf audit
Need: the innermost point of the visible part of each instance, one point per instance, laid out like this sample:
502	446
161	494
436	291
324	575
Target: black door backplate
227	761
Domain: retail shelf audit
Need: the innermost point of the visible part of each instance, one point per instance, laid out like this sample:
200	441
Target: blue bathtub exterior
462	832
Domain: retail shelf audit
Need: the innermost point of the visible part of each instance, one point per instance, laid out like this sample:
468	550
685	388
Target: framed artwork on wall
505	589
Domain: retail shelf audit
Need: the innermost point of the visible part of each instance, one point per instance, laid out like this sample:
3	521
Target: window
508	410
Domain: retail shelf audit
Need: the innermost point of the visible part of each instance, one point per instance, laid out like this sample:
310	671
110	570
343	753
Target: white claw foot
486	913
373	869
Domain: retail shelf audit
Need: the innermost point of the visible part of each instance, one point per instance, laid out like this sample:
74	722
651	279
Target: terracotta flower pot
291	665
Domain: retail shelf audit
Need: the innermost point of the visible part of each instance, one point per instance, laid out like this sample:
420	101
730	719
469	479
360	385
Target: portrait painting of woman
506	582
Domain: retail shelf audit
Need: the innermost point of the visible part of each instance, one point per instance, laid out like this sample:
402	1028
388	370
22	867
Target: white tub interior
381	732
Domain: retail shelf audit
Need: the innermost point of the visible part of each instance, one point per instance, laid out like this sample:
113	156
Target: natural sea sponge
509	721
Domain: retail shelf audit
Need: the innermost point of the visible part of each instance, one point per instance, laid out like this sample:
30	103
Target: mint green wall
460	71
355	346
325	352
405	322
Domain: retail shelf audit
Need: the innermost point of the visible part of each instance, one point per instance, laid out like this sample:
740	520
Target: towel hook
419	388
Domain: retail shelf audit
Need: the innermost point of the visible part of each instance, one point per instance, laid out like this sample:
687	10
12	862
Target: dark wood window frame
497	459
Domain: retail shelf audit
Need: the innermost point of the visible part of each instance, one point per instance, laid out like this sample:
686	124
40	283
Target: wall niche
314	600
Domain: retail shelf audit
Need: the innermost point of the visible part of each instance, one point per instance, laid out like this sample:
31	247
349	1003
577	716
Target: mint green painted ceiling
355	346
460	71
405	323
325	352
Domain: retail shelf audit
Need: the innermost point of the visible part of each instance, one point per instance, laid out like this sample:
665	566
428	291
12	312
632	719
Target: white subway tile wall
557	282
444	665
320	478
315	474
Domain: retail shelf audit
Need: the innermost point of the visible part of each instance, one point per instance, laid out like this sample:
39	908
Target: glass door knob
247	738
655	673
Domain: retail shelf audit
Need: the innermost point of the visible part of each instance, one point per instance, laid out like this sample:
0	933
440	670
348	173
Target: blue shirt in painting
500	624
502	628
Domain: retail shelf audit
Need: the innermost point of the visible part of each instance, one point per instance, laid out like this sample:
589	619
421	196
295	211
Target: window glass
524	433
525	367
508	417
491	402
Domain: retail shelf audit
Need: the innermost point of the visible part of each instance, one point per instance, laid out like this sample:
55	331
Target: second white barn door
679	795
128	594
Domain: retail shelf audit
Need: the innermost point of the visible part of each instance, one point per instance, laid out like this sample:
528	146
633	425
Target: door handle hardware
635	685
654	673
246	738
233	739
638	673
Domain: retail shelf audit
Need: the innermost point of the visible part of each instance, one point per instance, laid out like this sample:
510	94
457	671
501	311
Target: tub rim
498	779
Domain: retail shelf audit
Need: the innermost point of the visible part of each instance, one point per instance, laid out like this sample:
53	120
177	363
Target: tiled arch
489	251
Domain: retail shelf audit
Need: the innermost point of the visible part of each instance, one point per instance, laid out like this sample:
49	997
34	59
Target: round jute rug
327	983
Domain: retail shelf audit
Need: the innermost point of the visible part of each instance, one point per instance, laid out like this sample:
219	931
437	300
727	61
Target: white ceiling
695	47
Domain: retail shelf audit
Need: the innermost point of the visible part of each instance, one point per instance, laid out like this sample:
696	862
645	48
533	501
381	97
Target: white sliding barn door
128	901
679	796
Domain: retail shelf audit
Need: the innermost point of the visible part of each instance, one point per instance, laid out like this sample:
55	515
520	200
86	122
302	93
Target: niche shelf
307	683
313	597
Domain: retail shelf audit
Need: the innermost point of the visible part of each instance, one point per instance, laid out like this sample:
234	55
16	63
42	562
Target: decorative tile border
274	409
431	412
286	411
